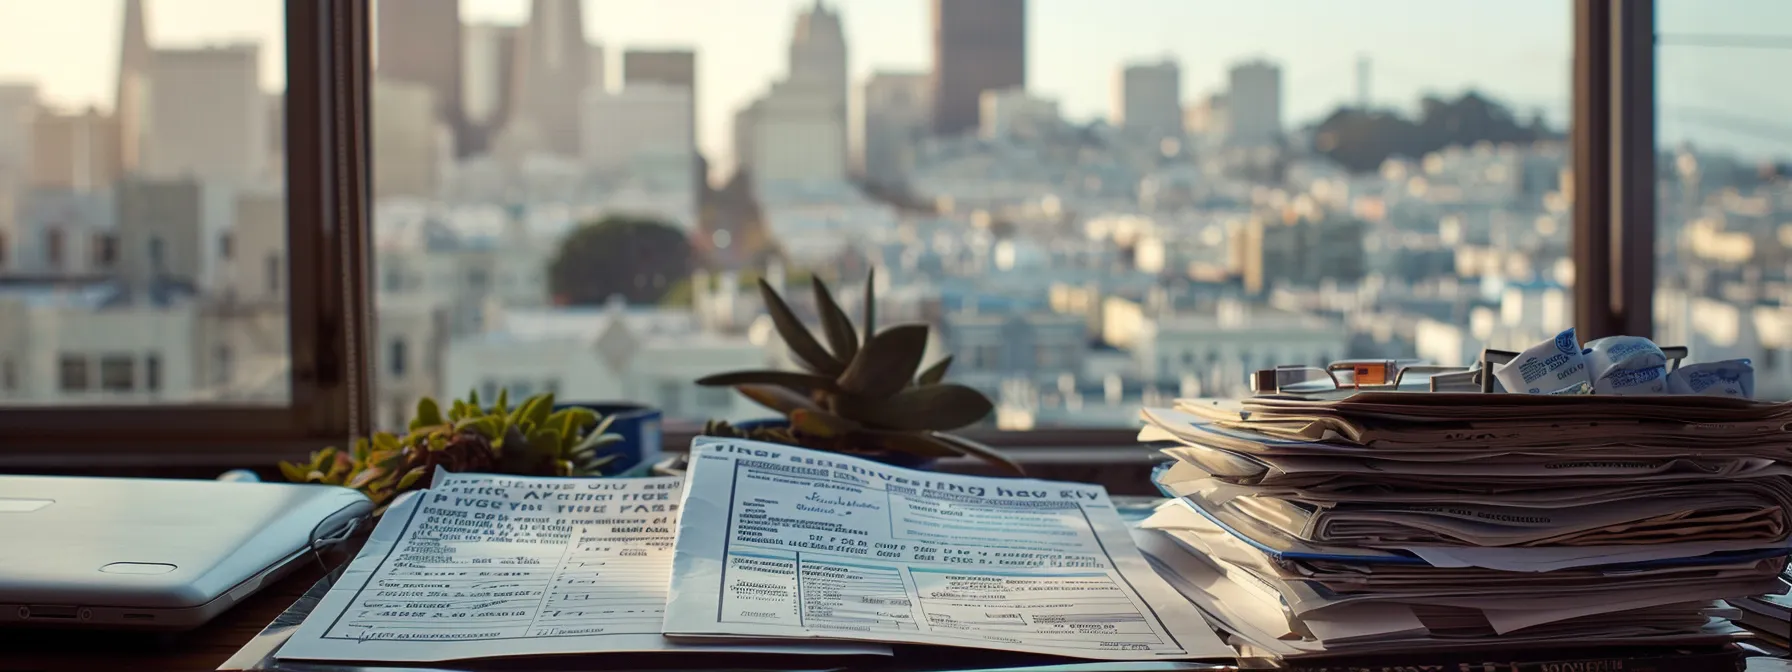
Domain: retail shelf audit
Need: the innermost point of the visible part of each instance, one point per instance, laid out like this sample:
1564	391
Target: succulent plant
531	439
859	395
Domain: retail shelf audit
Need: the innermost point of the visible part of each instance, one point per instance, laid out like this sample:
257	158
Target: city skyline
1517	53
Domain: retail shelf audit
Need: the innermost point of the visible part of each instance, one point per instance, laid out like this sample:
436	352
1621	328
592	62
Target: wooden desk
203	649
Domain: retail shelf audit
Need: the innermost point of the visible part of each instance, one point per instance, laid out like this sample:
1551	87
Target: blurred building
488	82
1148	100
978	46
18	111
675	68
1254	104
75	150
1301	252
643	119
130	104
206	117
896	110
1014	113
818	59
553	69
410	143
420	42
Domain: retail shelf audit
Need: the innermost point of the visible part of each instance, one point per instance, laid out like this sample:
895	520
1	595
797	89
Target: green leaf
428	413
821	423
473	400
385	441
366	476
937	407
834	322
386	459
781	399
887	363
294	472
539	409
594	440
411	477
797	336
323	458
974	449
795	380
936	373
870	322
503	406
544	441
457	412
484	426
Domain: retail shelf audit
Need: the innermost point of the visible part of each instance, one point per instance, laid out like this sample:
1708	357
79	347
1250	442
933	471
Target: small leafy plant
531	440
859	395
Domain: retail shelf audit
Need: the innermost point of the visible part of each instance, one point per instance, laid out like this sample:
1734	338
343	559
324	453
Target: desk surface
205	648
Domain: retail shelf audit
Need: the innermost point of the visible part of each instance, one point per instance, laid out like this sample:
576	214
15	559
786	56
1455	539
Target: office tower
1207	117
207	117
1254	104
896	111
553	69
640	124
129	106
818	57
407	149
488	82
978	45
18	109
419	42
76	151
1148	100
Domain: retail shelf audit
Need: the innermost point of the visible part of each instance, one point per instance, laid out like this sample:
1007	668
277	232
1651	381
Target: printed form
483	566
788	542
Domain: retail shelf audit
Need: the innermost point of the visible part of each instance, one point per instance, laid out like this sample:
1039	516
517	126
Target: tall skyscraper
553	70
978	45
74	151
818	58
419	42
896	110
206	116
488	81
128	102
18	110
1254	104
1148	100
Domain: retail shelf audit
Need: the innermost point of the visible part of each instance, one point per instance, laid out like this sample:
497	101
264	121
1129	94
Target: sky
1517	51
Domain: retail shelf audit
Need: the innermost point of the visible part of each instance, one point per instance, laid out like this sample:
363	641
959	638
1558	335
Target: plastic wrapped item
1729	378
1627	365
1555	366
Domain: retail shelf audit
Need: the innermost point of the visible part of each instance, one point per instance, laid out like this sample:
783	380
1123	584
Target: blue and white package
1622	365
1555	366
1729	378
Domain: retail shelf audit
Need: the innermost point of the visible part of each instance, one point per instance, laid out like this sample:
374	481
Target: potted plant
532	439
861	395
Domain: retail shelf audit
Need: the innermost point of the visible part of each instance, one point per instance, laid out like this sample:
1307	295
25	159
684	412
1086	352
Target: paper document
485	566
787	542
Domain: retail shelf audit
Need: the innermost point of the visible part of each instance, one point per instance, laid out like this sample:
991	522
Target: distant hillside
1360	140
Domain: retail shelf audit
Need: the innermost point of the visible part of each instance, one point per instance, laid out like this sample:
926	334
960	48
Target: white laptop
157	554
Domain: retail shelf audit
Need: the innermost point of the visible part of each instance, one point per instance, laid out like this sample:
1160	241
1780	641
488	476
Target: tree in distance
637	258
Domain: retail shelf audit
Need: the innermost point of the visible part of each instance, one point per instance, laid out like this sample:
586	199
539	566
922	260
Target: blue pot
639	427
903	460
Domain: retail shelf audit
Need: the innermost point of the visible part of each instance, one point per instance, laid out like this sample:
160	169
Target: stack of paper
1408	521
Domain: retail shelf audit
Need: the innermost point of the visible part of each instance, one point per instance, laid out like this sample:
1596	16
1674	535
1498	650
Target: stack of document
1413	521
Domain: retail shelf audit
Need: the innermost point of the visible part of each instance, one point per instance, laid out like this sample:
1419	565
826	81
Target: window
72	373
53	246
1350	184
714	399
488	389
105	250
2	249
158	255
118	373
224	246
9	375
272	272
1723	220
144	213
152	372
223	361
396	352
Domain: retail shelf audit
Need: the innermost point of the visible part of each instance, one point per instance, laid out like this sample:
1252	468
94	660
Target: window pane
1724	198
1103	213
140	181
